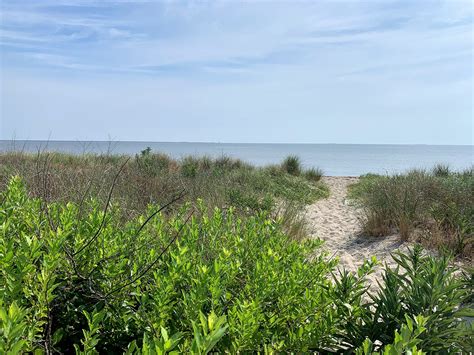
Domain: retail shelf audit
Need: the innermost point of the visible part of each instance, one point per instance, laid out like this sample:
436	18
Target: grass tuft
292	165
441	170
314	174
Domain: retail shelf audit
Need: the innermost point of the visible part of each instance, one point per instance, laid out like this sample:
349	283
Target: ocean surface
334	159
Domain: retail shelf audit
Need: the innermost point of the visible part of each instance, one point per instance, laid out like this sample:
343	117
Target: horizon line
217	142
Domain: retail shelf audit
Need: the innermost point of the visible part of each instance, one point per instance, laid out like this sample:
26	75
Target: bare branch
105	210
148	268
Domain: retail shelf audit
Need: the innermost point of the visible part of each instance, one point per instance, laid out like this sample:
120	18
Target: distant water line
334	159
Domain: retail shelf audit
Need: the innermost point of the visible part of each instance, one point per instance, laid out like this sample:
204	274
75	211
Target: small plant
292	165
152	164
314	174
405	341
91	336
189	167
441	170
14	329
425	286
145	152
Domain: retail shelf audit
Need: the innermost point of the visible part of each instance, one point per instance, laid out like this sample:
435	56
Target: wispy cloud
339	51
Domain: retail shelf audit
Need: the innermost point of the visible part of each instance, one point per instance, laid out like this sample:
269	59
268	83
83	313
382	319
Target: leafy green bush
405	342
199	281
423	285
292	165
84	283
189	167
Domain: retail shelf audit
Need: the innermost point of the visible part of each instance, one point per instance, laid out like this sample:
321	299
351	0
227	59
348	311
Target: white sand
336	221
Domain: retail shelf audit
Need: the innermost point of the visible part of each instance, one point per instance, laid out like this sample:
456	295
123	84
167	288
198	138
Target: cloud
261	61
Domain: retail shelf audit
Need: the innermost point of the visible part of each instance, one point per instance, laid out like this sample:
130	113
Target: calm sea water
334	159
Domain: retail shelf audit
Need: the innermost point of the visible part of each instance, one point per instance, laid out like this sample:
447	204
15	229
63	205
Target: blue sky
228	71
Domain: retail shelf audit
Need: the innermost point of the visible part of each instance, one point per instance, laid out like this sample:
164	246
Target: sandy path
336	221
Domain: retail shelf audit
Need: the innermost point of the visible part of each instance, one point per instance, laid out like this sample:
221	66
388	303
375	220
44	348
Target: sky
394	72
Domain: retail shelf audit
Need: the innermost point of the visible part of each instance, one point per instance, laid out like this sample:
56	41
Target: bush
152	164
313	174
189	167
76	278
422	285
292	165
237	278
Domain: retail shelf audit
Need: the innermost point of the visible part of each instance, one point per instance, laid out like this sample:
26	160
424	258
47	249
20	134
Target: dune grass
154	178
314	174
292	165
435	208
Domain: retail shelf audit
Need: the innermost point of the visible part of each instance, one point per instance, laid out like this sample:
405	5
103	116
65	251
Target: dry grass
149	178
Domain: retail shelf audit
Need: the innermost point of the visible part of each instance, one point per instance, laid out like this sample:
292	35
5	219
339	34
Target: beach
337	221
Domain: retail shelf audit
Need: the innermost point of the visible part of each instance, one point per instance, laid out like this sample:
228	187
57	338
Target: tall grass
292	165
154	178
434	208
314	174
441	170
80	279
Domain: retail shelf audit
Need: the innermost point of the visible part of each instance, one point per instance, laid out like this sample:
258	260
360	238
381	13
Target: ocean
334	159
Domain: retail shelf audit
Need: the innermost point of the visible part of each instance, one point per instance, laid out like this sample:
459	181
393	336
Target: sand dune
337	222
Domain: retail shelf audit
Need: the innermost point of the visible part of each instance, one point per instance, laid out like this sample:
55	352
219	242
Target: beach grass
292	165
134	182
435	208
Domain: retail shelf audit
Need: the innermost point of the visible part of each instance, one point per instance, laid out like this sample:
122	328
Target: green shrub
118	282
427	286
189	167
251	201
314	174
227	163
292	165
77	278
152	164
405	341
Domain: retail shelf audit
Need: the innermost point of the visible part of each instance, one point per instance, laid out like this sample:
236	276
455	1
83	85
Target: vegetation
76	277
314	174
441	170
436	209
150	178
292	165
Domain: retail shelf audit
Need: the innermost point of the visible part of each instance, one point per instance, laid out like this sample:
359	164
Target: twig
148	268
105	211
178	197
